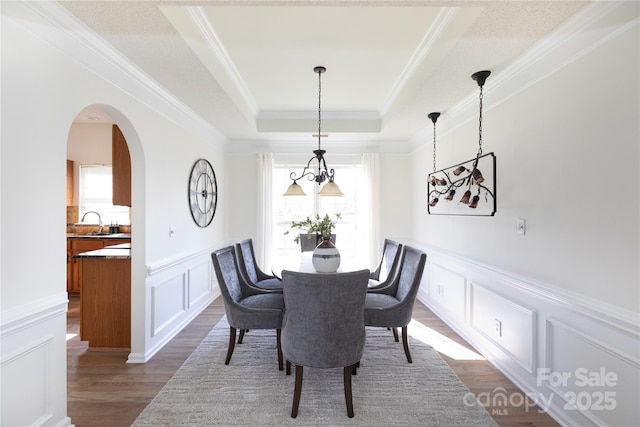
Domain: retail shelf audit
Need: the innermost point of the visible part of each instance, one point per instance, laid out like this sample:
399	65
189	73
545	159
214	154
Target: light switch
521	226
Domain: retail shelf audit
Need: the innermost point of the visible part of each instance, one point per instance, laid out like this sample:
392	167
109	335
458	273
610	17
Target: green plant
323	226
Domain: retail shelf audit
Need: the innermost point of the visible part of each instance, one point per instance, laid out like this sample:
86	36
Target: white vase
326	257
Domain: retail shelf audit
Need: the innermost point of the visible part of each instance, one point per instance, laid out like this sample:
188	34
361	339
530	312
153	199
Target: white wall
396	212
242	192
567	162
564	297
44	86
90	143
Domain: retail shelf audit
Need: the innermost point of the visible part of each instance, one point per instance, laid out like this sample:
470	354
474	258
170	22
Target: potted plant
326	257
320	226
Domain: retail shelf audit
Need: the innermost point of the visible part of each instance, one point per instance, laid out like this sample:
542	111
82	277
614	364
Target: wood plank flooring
103	390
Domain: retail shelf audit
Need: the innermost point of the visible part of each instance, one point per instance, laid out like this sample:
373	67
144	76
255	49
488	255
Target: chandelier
478	190
322	173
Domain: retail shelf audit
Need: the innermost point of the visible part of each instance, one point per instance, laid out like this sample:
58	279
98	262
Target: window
287	209
95	195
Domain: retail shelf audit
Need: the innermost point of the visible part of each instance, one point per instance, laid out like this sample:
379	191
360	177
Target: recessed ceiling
246	67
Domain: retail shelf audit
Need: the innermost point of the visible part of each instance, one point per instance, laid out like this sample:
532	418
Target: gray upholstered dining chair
245	306
389	262
392	306
323	325
251	272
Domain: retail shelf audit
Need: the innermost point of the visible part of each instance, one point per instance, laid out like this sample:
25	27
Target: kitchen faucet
99	219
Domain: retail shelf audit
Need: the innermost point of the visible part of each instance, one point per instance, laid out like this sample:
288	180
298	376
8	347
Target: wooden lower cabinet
77	246
105	302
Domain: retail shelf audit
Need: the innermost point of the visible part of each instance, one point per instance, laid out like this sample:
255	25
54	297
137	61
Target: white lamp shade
331	189
294	190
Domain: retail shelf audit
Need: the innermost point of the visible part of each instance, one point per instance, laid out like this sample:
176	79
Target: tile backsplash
74	227
72	214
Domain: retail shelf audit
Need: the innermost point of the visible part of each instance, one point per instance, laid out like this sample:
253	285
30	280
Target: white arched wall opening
138	213
138	269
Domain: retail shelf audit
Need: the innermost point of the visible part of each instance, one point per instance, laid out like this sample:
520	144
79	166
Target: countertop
99	236
121	251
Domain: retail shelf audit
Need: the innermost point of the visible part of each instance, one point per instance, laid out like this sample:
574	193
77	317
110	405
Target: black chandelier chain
434	147
319	106
480	124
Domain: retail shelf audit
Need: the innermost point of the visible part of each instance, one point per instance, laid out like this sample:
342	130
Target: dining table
302	262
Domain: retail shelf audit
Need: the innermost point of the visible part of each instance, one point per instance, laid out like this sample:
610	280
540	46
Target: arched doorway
91	142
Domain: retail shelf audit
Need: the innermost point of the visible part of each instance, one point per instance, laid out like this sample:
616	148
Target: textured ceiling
246	67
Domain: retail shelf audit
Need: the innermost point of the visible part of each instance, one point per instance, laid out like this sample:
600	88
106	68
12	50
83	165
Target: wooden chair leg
232	343
405	343
278	341
395	334
347	389
241	336
296	391
288	367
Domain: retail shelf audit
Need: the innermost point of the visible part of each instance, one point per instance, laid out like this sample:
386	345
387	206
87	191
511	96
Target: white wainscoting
176	291
34	348
578	358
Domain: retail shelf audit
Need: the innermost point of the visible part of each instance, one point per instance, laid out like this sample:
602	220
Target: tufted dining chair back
323	326
392	306
245	306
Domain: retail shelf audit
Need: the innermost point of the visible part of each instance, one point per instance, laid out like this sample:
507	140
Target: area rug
251	391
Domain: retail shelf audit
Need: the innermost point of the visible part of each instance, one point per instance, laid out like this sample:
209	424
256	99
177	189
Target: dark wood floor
103	390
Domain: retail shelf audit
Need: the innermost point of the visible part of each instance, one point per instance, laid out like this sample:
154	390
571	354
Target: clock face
203	193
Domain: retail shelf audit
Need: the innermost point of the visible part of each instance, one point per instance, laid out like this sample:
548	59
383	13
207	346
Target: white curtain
369	209
263	243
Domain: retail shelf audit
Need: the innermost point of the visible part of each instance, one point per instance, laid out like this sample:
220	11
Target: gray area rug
251	391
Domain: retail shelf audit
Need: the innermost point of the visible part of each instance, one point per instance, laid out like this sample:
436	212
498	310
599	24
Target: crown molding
54	25
594	25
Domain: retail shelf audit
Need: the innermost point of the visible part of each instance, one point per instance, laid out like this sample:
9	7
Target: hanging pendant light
323	173
465	178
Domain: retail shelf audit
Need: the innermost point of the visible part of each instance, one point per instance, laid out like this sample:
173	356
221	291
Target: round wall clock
203	193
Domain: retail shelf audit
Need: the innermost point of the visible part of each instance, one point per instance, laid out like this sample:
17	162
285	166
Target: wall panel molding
555	333
19	319
178	289
32	352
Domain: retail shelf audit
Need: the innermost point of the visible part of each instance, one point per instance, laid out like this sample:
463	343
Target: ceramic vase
326	257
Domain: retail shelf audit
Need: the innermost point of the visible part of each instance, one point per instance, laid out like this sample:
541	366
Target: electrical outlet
498	326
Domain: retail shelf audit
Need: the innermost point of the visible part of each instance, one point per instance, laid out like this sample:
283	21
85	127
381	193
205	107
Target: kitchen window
96	188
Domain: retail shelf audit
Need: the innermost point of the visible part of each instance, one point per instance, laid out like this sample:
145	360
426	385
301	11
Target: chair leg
296	391
232	343
288	367
278	341
242	331
395	334
405	343
347	389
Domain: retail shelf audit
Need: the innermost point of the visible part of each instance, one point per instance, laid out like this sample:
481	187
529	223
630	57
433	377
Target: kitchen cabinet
121	168
69	182
105	302
76	246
